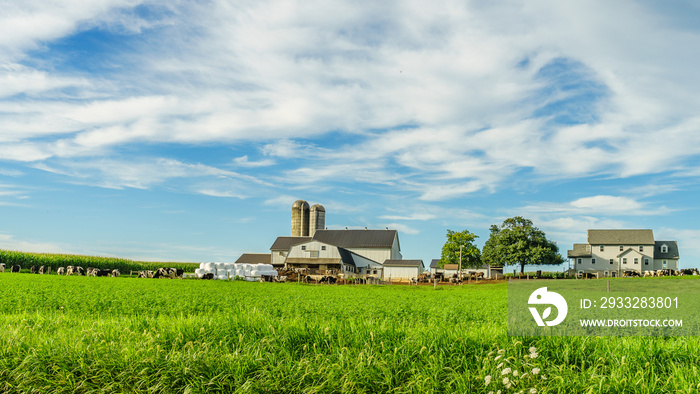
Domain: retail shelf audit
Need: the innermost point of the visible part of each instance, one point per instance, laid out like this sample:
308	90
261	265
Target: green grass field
86	334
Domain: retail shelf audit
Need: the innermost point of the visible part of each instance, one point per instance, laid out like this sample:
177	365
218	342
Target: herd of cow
646	274
80	271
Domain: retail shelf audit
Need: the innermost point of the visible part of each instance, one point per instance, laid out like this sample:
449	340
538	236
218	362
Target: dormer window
664	249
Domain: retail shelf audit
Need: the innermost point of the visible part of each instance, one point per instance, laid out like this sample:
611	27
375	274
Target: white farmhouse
612	252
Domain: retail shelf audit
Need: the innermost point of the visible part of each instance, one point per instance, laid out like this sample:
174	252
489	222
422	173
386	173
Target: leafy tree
518	241
471	256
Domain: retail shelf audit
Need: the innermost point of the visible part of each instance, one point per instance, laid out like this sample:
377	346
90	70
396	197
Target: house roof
451	266
254	258
620	237
580	250
357	238
672	250
435	263
403	263
285	243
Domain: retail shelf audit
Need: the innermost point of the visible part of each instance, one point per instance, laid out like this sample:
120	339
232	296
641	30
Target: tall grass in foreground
77	334
26	260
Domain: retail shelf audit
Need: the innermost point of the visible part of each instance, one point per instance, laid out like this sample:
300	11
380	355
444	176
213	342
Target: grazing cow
34	269
166	273
689	271
43	269
115	273
90	271
61	271
209	275
648	273
479	275
631	274
16	268
77	270
105	272
2	267
145	274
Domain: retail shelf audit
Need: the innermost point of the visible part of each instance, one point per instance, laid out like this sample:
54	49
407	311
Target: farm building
254	258
402	269
338	251
375	253
453	269
612	252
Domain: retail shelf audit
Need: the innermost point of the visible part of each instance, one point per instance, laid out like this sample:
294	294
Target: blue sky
184	131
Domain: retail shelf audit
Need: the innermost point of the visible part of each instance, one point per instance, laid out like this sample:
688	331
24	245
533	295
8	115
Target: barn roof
357	238
620	237
435	263
403	263
580	250
285	243
672	250
254	258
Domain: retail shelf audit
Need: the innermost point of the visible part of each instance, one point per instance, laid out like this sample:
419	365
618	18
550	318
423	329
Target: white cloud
243	161
414	216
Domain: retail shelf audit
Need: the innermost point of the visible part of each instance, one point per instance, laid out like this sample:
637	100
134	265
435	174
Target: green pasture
86	334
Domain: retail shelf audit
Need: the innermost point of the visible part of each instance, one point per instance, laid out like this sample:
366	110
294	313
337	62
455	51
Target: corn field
26	260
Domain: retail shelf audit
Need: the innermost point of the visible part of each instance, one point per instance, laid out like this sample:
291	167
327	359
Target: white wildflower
488	379
515	373
490	392
533	391
506	380
533	355
544	377
535	371
508	385
505	371
533	350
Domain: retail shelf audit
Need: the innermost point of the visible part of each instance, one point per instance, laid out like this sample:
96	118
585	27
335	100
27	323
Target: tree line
516	242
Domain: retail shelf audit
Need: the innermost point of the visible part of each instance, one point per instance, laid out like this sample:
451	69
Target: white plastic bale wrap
220	266
209	266
254	273
223	277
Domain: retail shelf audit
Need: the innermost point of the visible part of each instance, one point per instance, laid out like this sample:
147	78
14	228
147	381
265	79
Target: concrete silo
318	219
300	219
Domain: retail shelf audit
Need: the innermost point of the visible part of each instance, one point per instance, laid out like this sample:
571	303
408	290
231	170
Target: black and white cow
61	271
115	273
16	268
2	267
145	274
75	270
43	269
34	269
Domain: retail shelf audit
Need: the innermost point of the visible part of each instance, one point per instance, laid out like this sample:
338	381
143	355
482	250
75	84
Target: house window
579	261
664	249
611	261
602	248
641	248
624	260
664	263
636	260
313	254
621	248
303	247
646	261
592	261
323	247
